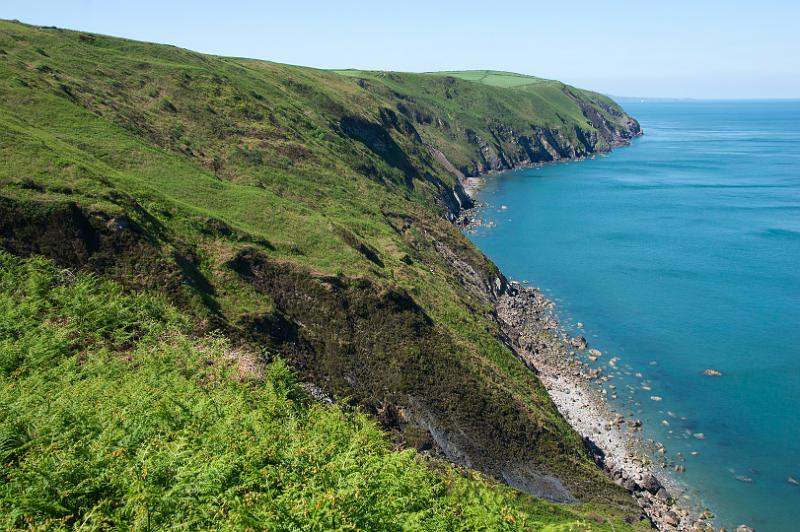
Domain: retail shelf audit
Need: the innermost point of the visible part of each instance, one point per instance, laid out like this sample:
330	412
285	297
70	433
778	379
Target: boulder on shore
650	483
579	342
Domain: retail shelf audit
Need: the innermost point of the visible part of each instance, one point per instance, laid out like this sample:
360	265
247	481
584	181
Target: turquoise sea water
678	254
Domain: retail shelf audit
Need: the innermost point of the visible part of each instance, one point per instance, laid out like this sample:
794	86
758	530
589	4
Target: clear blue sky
679	48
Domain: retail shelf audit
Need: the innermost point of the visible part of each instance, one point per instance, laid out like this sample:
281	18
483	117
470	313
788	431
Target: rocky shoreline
528	319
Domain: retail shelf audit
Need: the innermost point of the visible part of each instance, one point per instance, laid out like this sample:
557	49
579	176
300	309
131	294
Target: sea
681	254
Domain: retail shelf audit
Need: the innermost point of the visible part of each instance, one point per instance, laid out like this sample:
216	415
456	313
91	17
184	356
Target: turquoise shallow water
678	254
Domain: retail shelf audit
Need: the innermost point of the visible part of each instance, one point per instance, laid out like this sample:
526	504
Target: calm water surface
678	254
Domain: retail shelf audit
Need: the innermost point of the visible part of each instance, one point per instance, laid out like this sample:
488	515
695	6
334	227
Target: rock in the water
712	372
594	354
791	480
633	423
744	478
744	528
579	342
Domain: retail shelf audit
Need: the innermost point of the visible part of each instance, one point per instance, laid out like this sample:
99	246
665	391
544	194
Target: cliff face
505	148
305	213
472	128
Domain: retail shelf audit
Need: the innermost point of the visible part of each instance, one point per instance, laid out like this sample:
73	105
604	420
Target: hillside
194	431
301	215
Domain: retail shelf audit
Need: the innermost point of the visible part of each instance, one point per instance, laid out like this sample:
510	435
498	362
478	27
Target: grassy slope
208	157
107	397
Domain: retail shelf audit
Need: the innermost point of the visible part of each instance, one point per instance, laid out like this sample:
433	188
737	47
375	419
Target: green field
488	77
199	208
495	78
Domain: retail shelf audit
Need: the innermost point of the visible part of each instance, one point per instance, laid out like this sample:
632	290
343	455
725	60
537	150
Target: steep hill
300	213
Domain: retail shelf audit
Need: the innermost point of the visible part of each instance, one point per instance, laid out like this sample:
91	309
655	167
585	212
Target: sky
648	48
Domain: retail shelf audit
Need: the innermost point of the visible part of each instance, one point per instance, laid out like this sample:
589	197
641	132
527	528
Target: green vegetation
107	397
299	212
489	77
495	78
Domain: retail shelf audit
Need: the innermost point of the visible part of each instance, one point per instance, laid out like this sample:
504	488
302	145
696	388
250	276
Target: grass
114	416
166	171
494	78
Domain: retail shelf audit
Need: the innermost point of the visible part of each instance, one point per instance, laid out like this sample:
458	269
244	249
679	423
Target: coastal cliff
306	216
472	129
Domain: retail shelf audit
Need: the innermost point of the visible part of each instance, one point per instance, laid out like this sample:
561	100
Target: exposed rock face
501	146
508	149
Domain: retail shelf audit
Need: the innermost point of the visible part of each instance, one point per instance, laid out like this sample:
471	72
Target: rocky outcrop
509	149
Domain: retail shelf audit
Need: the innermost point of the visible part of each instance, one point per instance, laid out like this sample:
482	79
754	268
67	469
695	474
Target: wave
777	232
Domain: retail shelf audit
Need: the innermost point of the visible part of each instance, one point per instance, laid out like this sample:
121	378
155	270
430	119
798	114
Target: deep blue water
678	254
